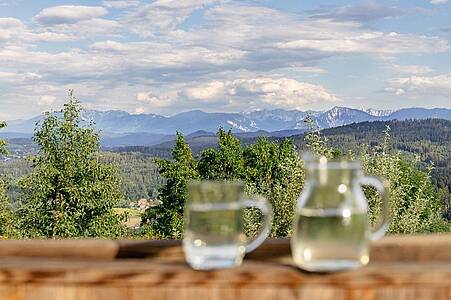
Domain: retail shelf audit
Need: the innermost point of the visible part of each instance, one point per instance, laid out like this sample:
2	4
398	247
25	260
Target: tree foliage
3	148
166	220
273	169
6	217
69	192
226	162
317	143
270	169
139	173
415	205
72	187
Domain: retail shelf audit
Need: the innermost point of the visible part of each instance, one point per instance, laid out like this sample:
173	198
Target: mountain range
119	128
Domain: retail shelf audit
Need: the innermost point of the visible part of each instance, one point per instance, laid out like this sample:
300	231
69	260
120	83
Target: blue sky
167	56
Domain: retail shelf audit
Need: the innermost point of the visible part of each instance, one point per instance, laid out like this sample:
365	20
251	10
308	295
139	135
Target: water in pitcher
214	236
330	239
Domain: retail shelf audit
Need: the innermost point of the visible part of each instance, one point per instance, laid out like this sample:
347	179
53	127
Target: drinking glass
331	227
214	224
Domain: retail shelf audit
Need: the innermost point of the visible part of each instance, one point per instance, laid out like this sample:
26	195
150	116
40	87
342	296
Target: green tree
166	219
270	169
3	148
6	217
226	162
69	192
315	142
275	171
415	205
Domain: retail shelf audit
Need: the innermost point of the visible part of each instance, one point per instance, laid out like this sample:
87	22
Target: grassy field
134	216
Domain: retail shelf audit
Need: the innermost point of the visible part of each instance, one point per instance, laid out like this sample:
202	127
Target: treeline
428	142
139	175
268	168
275	170
71	188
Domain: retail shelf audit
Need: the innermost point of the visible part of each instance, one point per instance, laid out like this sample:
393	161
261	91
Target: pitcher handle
265	207
380	230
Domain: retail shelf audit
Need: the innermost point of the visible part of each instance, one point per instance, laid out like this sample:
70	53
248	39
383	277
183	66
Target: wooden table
404	267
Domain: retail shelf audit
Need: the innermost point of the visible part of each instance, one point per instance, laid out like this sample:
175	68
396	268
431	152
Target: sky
166	57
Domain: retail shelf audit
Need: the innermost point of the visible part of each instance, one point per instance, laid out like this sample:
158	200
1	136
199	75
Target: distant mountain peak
120	123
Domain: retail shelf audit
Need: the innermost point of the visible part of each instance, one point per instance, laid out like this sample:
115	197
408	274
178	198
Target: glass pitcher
331	227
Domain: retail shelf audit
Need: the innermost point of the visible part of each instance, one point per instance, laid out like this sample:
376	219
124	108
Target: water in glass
331	227
214	237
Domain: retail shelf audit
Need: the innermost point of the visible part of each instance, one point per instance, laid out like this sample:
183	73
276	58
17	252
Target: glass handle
265	207
381	228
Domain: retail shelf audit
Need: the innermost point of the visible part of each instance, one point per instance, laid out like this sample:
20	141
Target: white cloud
140	110
48	36
235	54
282	92
261	34
363	12
161	15
121	4
46	100
369	42
10	28
86	28
207	91
439	1
417	86
18	78
270	92
68	14
109	46
412	69
6	23
153	99
15	31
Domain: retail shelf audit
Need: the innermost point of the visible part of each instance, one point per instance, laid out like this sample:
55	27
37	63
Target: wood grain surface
401	267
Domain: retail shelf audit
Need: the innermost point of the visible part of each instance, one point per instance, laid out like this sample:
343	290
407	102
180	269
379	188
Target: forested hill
430	139
424	137
434	130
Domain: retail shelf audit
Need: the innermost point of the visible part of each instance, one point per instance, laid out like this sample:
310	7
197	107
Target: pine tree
69	192
226	162
166	219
